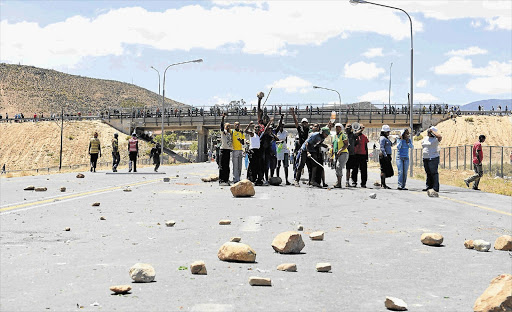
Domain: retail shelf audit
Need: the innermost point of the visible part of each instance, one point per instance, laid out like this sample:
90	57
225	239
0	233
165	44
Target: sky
462	49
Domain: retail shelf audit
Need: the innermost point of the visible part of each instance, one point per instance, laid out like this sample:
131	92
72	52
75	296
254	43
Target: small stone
29	188
67	229
121	289
244	188
469	244
259	281
300	228
40	189
127	190
323	267
497	297
376	183
481	245
373	195
288	243
235	239
224	222
198	267
275	181
177	176
503	242
63	189
237	252
170	223
142	273
102	218
289	267
395	304
95	204
319	235
432	239
80	176
167	179
432	193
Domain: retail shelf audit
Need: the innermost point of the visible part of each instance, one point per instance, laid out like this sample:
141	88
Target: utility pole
61	134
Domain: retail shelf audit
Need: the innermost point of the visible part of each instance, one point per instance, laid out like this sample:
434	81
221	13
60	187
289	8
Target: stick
316	161
267	96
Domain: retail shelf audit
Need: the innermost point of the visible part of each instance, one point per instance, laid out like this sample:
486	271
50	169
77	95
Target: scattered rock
395	304
319	235
300	228
63	189
288	243
224	222
170	223
259	281
80	176
95	204
481	245
432	193
29	188
211	178
469	244
102	218
142	273
275	181
127	190
237	252
67	229
198	267
373	195
289	267
244	188
235	239
503	242
177	176
497	297
323	267
121	289
167	179
40	189
376	183
432	239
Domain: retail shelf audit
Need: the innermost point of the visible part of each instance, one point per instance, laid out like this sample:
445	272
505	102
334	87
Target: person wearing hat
430	153
351	162
386	169
311	150
402	158
94	151
340	152
478	156
303	133
133	152
116	157
360	155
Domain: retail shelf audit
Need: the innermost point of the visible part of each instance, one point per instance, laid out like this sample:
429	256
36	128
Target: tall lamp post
339	96
411	101
158	79
389	93
163	101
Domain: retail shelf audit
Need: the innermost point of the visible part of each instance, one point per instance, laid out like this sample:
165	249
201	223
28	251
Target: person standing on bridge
116	158
155	154
226	137
430	146
133	151
94	150
478	156
236	154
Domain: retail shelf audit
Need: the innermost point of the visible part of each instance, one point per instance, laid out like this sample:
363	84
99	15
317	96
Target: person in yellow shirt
340	151
94	151
237	153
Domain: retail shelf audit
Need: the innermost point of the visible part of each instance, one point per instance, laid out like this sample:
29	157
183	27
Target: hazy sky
462	49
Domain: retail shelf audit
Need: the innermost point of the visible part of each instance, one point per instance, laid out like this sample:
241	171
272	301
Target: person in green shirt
340	151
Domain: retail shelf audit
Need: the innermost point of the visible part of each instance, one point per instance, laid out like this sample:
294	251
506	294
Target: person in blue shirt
311	149
386	169
402	158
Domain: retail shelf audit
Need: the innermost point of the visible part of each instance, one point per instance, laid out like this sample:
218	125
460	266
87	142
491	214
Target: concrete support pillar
202	140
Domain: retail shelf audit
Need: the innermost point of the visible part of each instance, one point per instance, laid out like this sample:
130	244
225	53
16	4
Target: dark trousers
431	166
156	162
303	161
133	161
116	158
255	166
316	168
94	160
224	165
360	164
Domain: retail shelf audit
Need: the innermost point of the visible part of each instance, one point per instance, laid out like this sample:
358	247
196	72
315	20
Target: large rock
121	289
259	281
432	239
142	273
244	188
497	297
276	181
289	267
395	304
198	267
503	242
237	252
288	243
481	245
323	267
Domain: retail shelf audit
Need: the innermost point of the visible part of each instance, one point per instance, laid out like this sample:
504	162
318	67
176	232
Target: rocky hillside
29	90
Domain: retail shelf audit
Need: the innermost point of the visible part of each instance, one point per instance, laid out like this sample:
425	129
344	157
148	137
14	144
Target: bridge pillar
202	140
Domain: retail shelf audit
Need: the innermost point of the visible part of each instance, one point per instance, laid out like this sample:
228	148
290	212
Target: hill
29	90
487	104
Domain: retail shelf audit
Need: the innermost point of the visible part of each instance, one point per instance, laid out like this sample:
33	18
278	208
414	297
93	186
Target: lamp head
315	87
354	2
198	61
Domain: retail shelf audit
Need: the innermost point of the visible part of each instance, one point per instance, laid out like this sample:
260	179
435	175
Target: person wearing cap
402	158
133	152
311	150
478	156
303	133
226	137
351	159
386	169
116	157
94	151
430	153
340	151
360	155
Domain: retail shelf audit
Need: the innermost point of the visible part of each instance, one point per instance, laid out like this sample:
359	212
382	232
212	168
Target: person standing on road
303	132
402	158
155	154
283	153
237	153
351	154
340	151
386	169
133	151
430	146
116	157
94	151
226	137
311	148
478	156
360	156
255	171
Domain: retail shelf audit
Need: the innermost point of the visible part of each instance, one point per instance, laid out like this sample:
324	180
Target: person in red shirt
478	156
361	156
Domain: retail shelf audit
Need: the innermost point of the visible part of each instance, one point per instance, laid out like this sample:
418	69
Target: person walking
430	153
116	157
360	156
237	152
283	154
94	151
402	158
226	138
155	154
478	156
133	151
340	151
386	169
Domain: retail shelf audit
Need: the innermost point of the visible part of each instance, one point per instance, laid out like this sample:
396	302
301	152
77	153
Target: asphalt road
373	245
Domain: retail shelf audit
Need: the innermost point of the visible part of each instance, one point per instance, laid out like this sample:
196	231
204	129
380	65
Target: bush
468	119
418	138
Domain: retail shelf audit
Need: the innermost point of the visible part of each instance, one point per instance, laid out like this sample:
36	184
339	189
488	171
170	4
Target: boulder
142	273
198	267
259	281
224	222
236	252
289	267
80	176
481	245
29	188
288	243
503	242
275	181
497	297
235	239
121	289
244	188
469	244
373	195
95	204
319	235
323	267
170	223
432	193
432	239
395	304
63	189
40	189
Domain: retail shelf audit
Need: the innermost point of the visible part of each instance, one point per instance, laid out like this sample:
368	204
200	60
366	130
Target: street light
411	101
317	87
158	79
389	93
